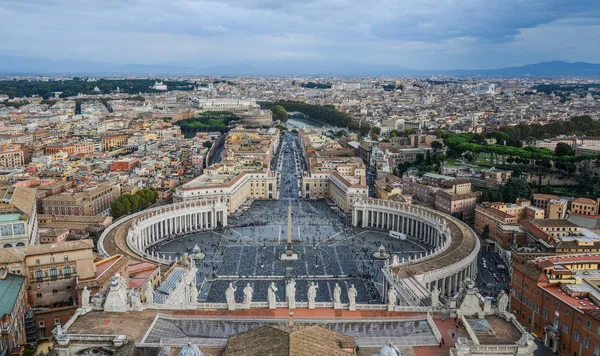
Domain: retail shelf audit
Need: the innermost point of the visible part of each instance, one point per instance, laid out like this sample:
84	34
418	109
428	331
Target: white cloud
414	33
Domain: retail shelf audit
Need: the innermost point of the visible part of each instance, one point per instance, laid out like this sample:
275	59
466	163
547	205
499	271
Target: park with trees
132	203
206	122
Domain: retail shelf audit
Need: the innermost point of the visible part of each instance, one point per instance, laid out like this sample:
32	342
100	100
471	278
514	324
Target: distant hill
12	65
553	69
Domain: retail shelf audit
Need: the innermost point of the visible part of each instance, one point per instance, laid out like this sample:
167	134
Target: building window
56	321
38	273
37	262
67	271
545	313
586	342
566	328
42	324
568	312
578	319
588	323
577	336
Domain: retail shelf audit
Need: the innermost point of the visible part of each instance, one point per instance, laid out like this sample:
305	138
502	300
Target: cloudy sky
416	34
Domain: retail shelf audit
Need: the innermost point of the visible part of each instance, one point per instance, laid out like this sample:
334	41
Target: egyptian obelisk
289	255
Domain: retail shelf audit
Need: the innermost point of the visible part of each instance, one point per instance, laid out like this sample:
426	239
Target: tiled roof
585	201
281	340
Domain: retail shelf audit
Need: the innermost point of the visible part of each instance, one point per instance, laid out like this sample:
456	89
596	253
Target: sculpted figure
352	297
272	295
290	292
230	296
248	294
337	294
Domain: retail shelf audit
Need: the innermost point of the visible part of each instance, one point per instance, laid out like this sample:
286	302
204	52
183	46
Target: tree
207	144
436	145
364	129
374	137
279	113
376	130
516	188
563	149
486	232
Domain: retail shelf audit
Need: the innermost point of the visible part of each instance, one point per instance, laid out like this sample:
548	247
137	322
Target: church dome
389	349
190	350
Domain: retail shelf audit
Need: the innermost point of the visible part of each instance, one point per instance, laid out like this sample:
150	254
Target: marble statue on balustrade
352	298
392	298
230	296
435	298
193	293
312	294
85	297
290	293
248	295
149	293
337	296
502	302
135	302
272	296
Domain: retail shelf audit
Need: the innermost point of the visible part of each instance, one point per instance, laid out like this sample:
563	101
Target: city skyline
202	34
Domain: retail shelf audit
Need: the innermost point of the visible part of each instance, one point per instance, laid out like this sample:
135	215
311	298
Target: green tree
207	144
279	113
374	137
376	130
364	129
486	232
516	188
563	149
436	145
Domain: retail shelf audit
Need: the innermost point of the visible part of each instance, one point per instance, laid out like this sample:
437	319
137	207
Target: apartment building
12	158
13	305
554	206
584	206
495	215
72	148
88	202
51	272
18	217
557	299
113	141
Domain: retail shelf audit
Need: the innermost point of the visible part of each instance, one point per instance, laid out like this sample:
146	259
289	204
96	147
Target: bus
397	235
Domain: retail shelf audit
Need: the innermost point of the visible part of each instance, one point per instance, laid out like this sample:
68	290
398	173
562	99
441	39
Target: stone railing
436	331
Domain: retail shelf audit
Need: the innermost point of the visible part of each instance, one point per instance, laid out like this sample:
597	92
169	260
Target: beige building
584	206
497	214
18	217
113	141
51	272
12	158
89	202
233	188
555	207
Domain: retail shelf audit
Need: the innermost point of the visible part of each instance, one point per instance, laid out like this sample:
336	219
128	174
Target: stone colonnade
175	219
428	226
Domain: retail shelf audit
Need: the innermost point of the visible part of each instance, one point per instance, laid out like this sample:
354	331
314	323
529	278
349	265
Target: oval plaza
288	246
